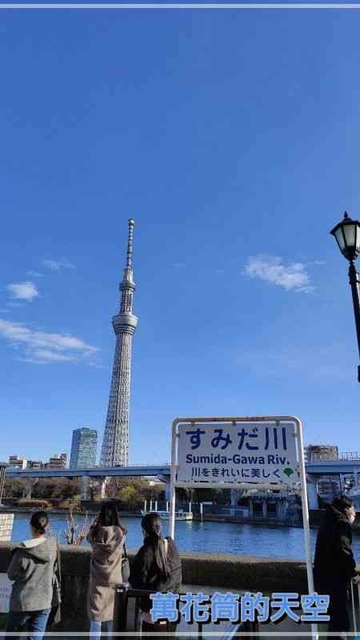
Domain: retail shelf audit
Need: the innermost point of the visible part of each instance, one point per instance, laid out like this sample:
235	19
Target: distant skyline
232	138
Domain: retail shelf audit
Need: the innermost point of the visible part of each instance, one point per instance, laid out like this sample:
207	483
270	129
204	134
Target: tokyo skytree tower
115	446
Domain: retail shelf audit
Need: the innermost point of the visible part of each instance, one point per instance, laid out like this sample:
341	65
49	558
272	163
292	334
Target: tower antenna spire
129	254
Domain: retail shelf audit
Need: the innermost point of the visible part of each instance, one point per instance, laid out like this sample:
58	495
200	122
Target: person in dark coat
156	567
334	563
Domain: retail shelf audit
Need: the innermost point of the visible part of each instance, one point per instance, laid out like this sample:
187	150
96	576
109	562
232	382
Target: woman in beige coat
107	538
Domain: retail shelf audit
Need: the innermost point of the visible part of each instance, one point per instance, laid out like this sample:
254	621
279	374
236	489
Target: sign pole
173	480
305	514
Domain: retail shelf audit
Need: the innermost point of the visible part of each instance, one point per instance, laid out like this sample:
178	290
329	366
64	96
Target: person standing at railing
334	564
106	537
156	567
32	568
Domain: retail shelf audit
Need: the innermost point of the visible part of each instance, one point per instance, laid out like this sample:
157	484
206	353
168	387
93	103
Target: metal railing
353	607
349	455
124	592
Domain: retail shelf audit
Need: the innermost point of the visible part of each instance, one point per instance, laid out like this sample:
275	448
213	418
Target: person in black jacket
334	564
156	567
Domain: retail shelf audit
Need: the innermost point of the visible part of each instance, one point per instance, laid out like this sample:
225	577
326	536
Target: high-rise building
57	461
18	461
83	448
318	452
115	446
35	464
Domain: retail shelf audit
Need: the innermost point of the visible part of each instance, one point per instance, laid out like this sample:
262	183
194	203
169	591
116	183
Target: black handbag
125	566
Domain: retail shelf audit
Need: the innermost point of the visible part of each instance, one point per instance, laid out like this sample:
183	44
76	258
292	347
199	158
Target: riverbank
315	516
208	517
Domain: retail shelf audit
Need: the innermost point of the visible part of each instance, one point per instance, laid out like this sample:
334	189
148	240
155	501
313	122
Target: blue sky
233	140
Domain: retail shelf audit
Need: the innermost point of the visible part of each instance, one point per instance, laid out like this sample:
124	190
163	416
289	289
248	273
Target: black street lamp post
347	235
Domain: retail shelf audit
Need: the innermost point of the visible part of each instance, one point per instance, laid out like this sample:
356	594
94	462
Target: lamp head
347	236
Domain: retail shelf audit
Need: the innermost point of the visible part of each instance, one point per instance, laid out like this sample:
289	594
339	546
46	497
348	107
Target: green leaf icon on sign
288	472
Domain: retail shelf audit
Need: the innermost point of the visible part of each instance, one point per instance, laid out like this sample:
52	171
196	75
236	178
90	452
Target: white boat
165	515
354	492
354	495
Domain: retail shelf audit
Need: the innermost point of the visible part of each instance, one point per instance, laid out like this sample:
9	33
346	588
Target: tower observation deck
115	446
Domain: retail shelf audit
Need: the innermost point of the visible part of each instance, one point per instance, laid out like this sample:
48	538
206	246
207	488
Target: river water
206	537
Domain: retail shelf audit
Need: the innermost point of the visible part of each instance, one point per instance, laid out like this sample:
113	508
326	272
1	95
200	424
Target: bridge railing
349	455
96	472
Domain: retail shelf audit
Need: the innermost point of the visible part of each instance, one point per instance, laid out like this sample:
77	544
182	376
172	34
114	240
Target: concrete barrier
211	570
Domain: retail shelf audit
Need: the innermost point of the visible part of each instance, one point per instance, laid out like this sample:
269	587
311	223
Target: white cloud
41	347
56	265
23	291
34	274
292	277
44	356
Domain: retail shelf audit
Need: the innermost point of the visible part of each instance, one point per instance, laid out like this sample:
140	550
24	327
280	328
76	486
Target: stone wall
225	571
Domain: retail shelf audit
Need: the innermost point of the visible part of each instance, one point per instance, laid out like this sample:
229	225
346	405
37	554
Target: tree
14	488
133	491
57	488
129	494
45	488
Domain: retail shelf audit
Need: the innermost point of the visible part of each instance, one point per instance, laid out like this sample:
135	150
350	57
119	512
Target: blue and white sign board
5	592
234	454
240	452
6	526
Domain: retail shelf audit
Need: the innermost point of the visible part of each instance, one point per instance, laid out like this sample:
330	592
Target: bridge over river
338	469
